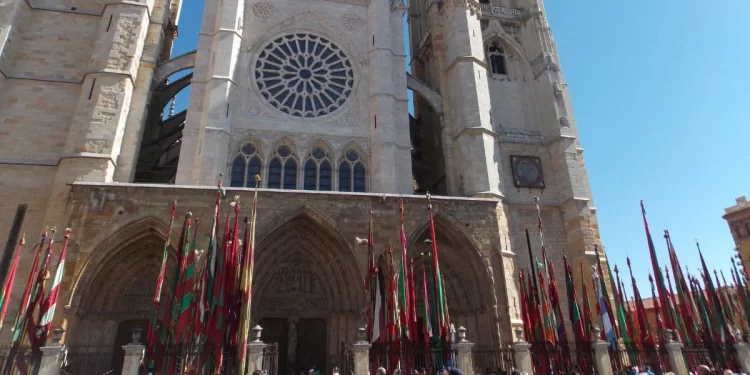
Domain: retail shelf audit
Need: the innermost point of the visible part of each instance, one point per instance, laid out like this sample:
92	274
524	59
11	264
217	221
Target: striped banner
48	308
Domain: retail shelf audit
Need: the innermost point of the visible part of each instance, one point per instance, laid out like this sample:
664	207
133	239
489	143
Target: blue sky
660	95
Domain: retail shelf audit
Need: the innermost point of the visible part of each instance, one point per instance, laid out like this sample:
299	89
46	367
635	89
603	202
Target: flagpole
531	260
247	283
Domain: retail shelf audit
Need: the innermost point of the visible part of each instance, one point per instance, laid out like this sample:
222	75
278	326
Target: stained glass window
245	165
304	75
318	173
352	173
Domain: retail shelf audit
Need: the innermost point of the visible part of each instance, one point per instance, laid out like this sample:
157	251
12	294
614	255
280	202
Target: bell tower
506	129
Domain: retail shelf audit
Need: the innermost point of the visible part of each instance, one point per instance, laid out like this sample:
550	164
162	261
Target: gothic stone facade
311	95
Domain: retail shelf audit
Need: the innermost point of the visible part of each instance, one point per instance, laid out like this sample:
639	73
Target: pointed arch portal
304	291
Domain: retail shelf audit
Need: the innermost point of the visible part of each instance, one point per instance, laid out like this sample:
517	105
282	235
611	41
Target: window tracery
304	75
282	169
318	173
352	172
245	165
498	58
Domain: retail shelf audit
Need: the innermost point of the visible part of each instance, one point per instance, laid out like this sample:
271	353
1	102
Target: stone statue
291	352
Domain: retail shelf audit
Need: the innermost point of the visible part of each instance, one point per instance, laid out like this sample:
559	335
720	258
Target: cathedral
312	95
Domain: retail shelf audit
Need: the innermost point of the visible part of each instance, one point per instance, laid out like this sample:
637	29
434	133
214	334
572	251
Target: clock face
527	172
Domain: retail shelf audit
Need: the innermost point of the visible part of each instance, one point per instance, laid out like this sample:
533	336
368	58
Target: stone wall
103	215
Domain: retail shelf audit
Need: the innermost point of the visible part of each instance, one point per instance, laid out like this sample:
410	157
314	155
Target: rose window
304	75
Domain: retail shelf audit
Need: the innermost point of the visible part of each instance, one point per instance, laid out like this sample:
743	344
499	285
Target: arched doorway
114	290
469	284
307	293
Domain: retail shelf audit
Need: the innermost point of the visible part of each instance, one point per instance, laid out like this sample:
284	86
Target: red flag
370	284
440	308
657	273
48	307
8	287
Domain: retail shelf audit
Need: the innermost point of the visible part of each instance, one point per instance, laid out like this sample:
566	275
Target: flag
686	303
742	291
441	322
427	308
8	285
545	261
588	321
527	324
247	282
377	321
48	308
660	287
413	303
152	325
722	327
644	327
576	320
562	336
370	283
546	318
185	296
604	312
403	279
37	296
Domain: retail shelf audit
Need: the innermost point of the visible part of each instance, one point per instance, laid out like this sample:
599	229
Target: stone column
361	354
674	350
208	125
601	354
463	352
52	355
522	353
743	355
255	351
133	353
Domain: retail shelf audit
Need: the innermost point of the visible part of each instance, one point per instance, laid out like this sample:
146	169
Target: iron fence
410	357
716	355
548	358
654	359
18	361
90	360
271	359
492	359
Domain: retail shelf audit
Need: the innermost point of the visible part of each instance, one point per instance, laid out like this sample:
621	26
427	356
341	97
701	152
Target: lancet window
318	171
352	173
497	56
282	169
245	165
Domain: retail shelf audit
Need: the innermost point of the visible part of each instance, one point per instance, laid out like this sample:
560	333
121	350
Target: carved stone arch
318	142
431	96
355	145
305	239
495	32
284	139
468	277
177	64
109	243
234	147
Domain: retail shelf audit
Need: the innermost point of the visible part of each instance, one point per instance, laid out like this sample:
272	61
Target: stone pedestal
674	351
463	357
601	357
51	360
133	357
361	351
743	356
522	356
255	356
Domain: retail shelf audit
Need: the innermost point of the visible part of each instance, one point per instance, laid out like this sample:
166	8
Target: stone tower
503	126
340	97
